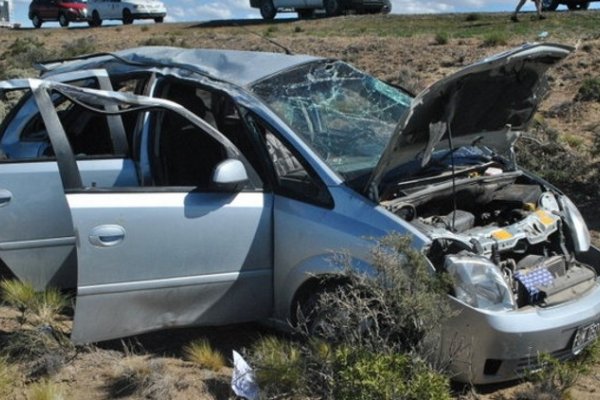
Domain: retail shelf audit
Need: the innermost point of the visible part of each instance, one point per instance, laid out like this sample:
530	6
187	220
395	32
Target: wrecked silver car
178	187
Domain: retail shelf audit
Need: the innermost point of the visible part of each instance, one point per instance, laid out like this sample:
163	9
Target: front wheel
127	17
267	9
159	20
36	21
332	8
549	5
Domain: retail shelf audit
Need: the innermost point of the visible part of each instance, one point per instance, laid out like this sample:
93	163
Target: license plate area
584	336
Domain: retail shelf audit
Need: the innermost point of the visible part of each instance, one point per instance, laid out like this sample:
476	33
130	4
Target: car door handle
107	235
5	197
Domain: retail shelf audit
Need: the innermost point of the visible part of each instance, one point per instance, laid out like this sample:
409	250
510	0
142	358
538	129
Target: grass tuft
202	353
20	295
45	390
8	375
494	39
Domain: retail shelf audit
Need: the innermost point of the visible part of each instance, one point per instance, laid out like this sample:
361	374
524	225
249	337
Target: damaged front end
524	272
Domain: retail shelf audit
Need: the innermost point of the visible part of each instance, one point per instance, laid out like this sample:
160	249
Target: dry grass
20	295
202	353
8	375
45	390
140	376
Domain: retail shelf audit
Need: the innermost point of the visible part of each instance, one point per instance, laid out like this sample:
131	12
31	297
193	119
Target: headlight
479	283
576	224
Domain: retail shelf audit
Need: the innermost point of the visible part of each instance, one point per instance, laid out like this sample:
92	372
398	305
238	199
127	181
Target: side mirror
230	175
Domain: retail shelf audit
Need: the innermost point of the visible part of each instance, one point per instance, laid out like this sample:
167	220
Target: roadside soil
414	62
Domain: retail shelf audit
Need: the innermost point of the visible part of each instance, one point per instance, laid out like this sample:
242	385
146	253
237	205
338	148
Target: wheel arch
316	273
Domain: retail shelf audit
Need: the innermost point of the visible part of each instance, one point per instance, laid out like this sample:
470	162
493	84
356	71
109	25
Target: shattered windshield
345	115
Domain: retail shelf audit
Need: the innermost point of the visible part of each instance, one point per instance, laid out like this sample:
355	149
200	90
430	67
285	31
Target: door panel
172	259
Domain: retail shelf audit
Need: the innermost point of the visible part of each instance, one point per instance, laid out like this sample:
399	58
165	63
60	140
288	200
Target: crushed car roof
238	67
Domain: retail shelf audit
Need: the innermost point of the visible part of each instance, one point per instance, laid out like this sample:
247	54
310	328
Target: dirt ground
414	62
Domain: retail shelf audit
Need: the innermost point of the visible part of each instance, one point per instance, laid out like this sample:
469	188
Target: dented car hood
485	104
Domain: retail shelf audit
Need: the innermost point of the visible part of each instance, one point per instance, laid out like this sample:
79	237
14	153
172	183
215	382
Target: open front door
182	252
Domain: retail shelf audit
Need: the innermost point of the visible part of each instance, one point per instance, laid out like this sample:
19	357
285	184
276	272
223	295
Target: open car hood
486	103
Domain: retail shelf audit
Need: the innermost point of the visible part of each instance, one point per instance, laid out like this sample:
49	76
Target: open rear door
172	254
37	239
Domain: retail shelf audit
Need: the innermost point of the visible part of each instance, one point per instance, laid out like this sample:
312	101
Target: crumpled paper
243	381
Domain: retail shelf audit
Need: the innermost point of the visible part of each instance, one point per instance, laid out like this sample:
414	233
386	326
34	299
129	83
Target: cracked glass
345	115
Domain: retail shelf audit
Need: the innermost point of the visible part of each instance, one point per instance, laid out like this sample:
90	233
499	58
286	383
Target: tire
127	17
549	5
63	20
267	10
574	6
159	20
36	21
96	20
332	8
305	13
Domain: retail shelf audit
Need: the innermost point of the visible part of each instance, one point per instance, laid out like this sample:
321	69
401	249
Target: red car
63	11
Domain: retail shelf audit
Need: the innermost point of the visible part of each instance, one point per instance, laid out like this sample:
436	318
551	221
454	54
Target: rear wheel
63	20
127	17
96	20
267	9
549	5
332	8
159	20
578	6
36	21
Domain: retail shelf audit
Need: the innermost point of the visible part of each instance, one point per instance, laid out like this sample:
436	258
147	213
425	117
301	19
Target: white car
127	11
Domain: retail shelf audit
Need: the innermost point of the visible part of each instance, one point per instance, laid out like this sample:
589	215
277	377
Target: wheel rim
62	20
36	20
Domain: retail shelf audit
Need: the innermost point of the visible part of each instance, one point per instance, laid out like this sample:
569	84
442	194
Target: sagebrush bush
77	47
472	17
378	334
589	90
202	353
441	38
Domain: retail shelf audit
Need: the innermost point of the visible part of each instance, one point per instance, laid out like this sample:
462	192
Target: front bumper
77	16
148	15
489	347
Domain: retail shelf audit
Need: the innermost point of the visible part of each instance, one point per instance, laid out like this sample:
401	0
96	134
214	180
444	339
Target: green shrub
494	39
472	17
378	335
589	90
24	52
78	47
202	353
281	366
441	38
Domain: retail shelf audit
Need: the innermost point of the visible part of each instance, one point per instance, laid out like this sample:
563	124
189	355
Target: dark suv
552	5
63	11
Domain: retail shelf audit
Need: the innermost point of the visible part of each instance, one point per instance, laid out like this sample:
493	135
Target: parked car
306	9
63	11
125	10
552	5
204	187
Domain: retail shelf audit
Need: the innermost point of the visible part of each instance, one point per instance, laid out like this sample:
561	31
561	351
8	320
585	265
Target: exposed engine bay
506	240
